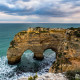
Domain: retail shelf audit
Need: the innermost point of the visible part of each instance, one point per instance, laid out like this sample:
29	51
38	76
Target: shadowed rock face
38	40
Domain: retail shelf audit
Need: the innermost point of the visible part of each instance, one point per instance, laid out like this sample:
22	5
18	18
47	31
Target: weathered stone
39	39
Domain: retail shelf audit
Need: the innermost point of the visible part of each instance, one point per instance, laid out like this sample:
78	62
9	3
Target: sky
39	11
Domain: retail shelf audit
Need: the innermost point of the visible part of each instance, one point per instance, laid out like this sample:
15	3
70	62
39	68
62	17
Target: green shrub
71	75
12	43
77	33
72	28
44	31
31	32
33	78
77	79
22	33
30	78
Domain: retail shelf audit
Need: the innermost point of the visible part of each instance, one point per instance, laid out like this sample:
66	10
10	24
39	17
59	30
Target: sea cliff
65	42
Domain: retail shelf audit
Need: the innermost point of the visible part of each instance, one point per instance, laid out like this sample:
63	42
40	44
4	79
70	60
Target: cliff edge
63	41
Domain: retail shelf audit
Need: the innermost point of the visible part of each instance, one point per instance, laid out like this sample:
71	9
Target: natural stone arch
35	42
40	39
15	57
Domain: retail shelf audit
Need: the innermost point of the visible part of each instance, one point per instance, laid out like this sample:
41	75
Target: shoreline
49	76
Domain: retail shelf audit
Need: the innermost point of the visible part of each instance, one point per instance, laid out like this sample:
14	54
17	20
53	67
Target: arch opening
50	55
29	64
27	55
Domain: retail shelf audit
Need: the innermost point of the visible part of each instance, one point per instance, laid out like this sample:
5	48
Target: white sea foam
27	67
49	76
52	76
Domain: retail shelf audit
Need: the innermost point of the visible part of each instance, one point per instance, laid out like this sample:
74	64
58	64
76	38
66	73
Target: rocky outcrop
39	39
70	59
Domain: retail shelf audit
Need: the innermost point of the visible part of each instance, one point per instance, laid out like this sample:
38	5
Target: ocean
13	72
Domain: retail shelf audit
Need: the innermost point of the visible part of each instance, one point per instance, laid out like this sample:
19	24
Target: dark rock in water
46	70
10	74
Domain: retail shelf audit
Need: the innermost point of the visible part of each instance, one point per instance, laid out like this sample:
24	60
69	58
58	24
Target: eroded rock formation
39	39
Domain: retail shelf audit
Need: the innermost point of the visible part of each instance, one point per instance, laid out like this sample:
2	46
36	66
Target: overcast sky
40	11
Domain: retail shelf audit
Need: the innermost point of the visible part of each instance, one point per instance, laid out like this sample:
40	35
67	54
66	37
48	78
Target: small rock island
65	42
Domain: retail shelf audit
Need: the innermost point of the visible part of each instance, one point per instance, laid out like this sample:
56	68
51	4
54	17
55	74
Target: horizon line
38	22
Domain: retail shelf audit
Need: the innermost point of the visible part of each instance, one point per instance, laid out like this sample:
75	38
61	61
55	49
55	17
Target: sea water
28	66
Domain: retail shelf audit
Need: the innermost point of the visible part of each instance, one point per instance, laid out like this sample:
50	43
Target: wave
27	67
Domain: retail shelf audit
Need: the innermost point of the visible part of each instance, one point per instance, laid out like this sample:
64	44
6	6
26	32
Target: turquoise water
7	32
8	72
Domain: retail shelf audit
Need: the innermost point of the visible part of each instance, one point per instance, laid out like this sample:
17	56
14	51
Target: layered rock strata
62	41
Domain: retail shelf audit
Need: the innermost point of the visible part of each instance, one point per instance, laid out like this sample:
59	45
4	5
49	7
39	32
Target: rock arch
38	40
15	51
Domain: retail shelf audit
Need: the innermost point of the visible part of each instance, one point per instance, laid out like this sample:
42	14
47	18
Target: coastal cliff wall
39	39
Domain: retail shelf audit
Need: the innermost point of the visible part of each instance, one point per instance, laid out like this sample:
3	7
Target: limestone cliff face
70	59
38	40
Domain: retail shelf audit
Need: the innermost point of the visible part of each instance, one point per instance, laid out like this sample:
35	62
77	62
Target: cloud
58	8
25	0
40	10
